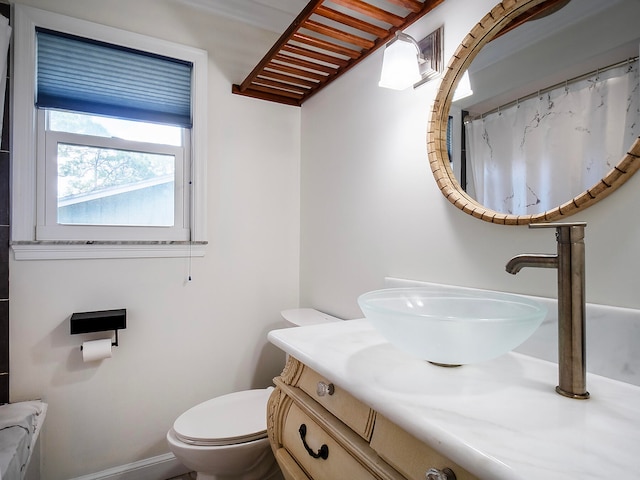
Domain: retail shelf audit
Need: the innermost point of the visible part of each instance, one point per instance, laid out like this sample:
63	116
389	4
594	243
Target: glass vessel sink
451	327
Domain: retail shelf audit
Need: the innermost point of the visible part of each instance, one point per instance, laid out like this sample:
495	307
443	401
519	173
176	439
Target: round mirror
552	124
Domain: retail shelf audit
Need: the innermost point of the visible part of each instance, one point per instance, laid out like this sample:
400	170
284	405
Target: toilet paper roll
96	350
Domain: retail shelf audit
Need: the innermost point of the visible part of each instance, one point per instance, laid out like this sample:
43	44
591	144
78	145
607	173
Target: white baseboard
154	468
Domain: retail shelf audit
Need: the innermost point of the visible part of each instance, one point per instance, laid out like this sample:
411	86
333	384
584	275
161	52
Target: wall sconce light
407	62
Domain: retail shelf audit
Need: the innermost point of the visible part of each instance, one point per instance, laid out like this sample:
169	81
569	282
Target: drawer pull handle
323	389
323	453
444	474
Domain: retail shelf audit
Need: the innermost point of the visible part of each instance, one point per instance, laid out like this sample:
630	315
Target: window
108	141
101	172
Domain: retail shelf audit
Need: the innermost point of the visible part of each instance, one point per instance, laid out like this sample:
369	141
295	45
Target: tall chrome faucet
569	261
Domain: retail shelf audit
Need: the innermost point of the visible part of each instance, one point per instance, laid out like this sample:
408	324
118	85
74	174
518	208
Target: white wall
185	342
370	206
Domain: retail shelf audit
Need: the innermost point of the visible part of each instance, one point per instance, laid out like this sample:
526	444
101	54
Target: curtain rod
597	71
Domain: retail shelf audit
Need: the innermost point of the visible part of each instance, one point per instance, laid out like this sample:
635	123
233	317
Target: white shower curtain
5	36
535	155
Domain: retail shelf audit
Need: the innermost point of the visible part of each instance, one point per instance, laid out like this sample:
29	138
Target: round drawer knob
444	474
325	389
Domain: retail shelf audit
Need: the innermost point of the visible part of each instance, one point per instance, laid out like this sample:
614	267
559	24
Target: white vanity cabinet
319	431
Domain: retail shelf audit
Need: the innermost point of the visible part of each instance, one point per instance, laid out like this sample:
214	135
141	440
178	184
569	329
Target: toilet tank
300	317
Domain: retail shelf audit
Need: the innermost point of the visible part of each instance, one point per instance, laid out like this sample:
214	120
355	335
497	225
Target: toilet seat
234	418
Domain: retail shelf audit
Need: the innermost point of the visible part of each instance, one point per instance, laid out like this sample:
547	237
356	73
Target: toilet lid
238	417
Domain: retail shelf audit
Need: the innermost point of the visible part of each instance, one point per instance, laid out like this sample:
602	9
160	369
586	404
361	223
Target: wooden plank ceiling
327	39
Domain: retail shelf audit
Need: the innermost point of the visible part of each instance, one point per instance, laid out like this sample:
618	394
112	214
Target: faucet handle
558	224
566	232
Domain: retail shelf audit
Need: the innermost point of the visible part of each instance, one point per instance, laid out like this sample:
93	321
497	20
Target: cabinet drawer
290	469
352	412
411	457
339	464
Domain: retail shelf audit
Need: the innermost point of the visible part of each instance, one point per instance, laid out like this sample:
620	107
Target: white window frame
28	175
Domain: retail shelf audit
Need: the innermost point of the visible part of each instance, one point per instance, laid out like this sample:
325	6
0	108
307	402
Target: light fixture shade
400	67
463	89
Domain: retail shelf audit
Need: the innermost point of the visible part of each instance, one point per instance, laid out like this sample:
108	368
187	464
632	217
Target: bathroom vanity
350	405
318	428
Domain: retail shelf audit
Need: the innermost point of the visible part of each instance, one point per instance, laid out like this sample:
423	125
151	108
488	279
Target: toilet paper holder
99	321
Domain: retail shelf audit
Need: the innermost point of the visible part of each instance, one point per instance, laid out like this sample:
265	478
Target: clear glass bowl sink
452	327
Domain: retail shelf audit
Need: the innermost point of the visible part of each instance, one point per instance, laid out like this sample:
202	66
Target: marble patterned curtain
541	152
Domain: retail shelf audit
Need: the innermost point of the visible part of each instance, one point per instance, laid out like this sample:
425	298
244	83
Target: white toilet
225	438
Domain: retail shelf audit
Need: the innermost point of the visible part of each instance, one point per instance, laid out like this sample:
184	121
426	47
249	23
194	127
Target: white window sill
73	250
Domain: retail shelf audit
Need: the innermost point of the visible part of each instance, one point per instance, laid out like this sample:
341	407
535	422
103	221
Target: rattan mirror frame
488	28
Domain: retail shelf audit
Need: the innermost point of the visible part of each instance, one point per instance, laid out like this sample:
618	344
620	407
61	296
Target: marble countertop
500	419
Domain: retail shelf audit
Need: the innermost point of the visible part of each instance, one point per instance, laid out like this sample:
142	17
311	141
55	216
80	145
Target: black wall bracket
100	321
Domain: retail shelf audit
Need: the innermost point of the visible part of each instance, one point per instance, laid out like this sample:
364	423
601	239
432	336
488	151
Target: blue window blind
82	75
